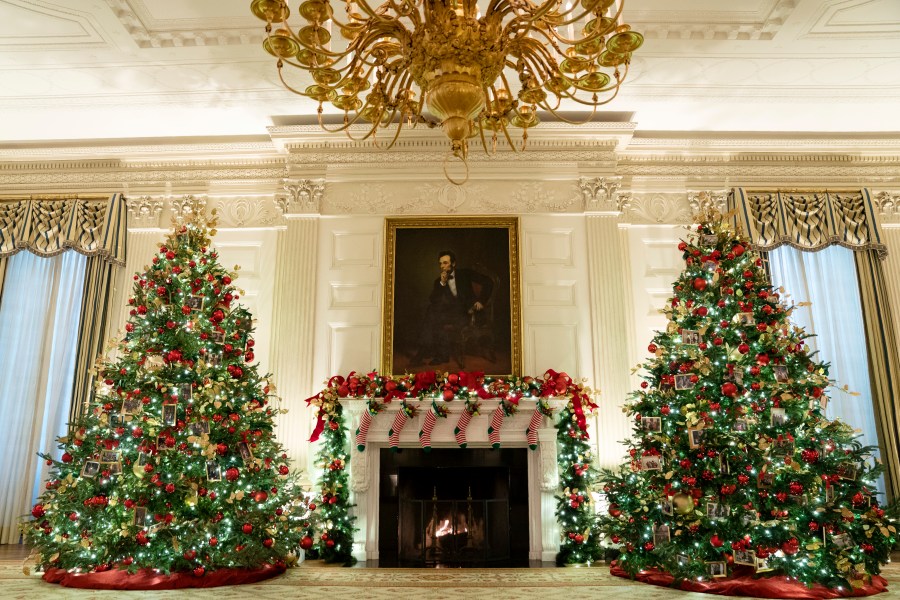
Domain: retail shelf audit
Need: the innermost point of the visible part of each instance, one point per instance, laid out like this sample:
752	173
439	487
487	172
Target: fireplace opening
454	508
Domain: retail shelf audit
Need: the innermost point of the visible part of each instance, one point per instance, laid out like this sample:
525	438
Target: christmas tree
574	506
174	465
733	468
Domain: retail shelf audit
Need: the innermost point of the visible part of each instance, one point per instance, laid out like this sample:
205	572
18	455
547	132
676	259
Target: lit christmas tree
733	468
580	543
174	465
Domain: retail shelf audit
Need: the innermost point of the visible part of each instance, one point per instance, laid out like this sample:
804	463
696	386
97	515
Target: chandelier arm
570	121
289	86
373	13
396	133
509	141
615	93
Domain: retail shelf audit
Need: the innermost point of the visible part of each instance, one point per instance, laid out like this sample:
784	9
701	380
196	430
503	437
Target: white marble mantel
543	475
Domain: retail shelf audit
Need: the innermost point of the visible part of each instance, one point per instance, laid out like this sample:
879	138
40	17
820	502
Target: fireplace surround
536	475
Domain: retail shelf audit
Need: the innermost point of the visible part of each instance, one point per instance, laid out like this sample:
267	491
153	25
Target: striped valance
50	227
807	220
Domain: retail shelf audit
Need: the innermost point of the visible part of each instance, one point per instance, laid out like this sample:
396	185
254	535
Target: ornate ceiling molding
137	20
715	25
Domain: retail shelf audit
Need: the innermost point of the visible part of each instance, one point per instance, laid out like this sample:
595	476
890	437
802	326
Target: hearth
454	508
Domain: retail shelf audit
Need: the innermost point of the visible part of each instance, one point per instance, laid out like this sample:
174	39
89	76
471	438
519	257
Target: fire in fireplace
454	514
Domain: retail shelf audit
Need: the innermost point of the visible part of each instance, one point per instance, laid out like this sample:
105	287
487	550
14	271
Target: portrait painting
451	295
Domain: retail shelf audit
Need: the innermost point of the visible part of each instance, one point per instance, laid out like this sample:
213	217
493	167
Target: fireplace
512	481
454	508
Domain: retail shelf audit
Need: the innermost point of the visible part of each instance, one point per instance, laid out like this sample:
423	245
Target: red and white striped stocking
464	419
531	434
427	427
398	425
362	432
496	424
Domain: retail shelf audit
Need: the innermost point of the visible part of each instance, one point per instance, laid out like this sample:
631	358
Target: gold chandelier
447	63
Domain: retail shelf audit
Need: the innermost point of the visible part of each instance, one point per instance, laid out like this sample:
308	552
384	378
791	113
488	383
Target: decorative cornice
711	25
214	32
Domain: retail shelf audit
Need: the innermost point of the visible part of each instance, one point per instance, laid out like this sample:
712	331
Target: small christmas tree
174	465
733	468
575	506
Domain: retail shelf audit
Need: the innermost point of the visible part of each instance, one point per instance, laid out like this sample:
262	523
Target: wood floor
313	580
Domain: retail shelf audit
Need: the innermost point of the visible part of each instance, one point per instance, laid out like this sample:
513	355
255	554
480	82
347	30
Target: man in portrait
457	296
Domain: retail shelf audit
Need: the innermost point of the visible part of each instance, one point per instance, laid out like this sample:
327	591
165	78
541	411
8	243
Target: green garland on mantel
434	391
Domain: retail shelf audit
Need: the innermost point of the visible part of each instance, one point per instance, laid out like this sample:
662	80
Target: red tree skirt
148	579
743	583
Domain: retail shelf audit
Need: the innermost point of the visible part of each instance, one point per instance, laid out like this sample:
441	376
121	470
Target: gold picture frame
432	323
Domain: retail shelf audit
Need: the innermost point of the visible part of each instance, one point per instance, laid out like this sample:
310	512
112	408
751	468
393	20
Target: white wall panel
348	296
555	304
655	263
254	250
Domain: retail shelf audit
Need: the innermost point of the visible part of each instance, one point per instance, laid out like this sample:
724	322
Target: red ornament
809	455
699	284
743	348
737	250
247	528
312	506
213	541
37	511
268	542
652	348
729	389
170	487
329	543
716	541
682	246
199	571
232	473
260	496
190	555
306	542
66	457
649	546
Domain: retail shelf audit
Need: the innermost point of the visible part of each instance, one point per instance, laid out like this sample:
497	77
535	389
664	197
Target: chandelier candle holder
472	70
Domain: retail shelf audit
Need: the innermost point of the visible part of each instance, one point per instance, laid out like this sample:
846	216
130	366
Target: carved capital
187	207
601	194
304	196
144	211
888	204
707	201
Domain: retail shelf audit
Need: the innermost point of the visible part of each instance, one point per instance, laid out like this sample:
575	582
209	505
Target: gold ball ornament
682	503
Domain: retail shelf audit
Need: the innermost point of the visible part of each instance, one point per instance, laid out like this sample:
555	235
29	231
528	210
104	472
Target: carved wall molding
658	208
155	212
242	211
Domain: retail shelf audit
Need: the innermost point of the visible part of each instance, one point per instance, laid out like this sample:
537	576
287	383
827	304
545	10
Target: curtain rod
17	197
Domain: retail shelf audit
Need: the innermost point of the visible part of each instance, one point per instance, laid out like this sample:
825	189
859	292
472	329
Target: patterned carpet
312	580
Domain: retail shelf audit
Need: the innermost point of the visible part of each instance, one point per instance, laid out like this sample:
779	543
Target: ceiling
82	71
